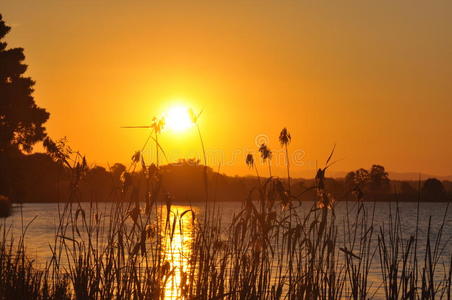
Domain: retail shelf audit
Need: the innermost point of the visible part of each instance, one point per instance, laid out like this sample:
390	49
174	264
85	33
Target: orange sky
375	77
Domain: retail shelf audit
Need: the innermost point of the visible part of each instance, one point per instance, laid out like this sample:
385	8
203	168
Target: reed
277	246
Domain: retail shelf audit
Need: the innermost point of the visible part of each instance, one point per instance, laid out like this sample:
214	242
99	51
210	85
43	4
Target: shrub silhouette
433	190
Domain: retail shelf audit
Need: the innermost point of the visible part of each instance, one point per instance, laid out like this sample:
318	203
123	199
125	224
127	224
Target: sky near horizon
372	77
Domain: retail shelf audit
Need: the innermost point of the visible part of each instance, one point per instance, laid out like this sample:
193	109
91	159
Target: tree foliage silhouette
21	120
433	190
379	179
356	179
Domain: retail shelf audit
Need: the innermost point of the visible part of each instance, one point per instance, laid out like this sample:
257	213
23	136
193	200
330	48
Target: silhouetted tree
188	162
362	177
433	190
379	179
21	120
361	181
349	181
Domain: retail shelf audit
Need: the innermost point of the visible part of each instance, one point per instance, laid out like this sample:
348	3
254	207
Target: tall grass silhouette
275	247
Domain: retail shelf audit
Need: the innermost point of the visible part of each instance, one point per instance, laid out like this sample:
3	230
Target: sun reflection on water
177	232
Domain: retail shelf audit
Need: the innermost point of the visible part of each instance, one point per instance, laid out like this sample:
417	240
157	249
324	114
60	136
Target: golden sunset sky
374	77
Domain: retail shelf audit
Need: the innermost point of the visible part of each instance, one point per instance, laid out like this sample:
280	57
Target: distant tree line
376	185
39	177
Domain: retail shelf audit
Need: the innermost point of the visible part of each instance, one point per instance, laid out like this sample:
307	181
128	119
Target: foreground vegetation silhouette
276	247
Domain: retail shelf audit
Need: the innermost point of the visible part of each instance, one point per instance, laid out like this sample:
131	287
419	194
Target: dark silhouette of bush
433	190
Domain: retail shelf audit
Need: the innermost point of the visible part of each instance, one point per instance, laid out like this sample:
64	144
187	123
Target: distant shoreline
382	198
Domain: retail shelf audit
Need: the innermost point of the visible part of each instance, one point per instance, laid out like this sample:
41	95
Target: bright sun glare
177	119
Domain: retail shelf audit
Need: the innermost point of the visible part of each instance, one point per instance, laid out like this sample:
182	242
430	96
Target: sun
177	118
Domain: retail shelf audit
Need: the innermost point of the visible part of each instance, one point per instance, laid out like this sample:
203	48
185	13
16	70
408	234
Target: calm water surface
42	221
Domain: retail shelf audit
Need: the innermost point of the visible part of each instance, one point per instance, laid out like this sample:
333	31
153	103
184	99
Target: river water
41	221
